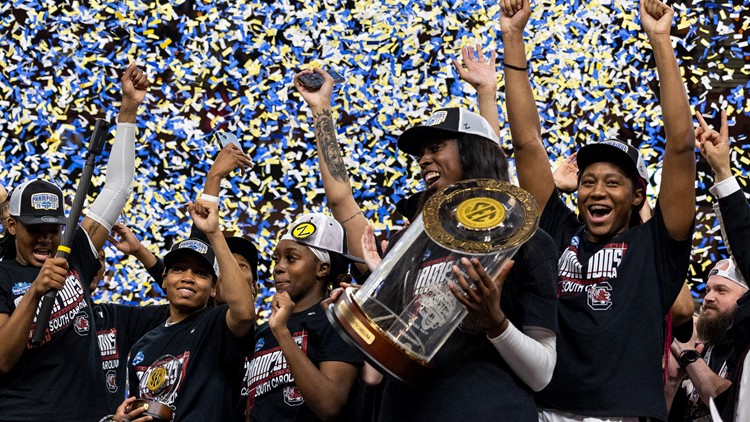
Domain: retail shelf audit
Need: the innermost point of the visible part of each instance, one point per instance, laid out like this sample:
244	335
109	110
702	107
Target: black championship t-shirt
117	328
269	384
61	379
471	380
613	299
189	366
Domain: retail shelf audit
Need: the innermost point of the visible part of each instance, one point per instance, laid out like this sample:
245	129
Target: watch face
689	356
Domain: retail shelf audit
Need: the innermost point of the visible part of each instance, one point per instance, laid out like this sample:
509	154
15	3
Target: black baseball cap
37	202
195	247
247	249
612	151
445	123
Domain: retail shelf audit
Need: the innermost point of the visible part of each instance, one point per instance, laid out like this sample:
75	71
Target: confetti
228	66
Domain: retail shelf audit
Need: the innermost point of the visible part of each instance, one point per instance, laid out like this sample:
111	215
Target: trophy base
159	411
356	327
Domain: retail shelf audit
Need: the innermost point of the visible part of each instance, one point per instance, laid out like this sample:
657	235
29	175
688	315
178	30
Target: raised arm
126	242
236	291
677	191
735	228
480	73
121	165
230	157
335	177
532	162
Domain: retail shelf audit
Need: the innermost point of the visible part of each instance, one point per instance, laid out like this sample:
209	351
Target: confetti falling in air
228	66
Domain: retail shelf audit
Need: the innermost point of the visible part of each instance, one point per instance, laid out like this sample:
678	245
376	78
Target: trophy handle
159	411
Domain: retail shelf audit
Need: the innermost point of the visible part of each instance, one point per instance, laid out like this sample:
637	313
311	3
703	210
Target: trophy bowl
404	312
158	387
159	411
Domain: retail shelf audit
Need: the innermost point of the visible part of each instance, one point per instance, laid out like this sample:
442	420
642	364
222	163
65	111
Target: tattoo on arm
325	135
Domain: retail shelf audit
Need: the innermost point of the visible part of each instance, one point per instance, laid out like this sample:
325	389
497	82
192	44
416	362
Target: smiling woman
196	342
318	368
506	344
27	370
617	278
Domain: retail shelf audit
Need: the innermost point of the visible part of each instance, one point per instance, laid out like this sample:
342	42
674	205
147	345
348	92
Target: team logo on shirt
19	289
259	344
435	307
292	396
599	297
138	358
111	378
81	324
592	280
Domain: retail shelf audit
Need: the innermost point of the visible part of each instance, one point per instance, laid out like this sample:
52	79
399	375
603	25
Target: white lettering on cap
619	145
199	247
436	118
45	201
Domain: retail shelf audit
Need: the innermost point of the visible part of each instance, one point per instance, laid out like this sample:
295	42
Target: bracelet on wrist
520	69
210	198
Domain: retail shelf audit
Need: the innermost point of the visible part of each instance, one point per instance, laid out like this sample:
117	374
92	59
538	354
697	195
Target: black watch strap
687	357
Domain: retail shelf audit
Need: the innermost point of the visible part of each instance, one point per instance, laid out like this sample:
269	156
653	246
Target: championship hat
445	123
612	151
37	202
194	247
322	232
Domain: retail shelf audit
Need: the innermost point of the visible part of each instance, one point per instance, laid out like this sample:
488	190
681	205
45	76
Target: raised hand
205	215
714	146
321	98
656	18
281	309
125	242
514	16
566	174
230	158
369	249
134	86
482	301
476	70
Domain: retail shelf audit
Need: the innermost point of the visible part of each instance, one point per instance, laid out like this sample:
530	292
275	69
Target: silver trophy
405	312
157	388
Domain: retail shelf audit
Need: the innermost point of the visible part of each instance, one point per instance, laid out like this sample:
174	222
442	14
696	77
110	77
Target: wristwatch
688	356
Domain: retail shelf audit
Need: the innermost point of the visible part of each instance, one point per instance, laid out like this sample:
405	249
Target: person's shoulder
540	244
11	267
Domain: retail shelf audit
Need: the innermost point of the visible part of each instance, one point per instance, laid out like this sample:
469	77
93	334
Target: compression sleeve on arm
120	170
531	354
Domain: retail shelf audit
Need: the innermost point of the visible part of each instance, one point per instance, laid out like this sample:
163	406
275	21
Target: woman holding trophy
505	349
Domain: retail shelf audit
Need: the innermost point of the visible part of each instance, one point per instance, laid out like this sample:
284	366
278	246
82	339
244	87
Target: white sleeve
725	188
120	170
531	354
